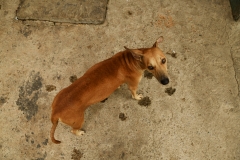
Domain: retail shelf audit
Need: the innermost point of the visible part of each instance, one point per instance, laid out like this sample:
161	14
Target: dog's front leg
133	88
135	95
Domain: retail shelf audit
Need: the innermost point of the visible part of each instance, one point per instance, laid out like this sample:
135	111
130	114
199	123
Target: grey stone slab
68	11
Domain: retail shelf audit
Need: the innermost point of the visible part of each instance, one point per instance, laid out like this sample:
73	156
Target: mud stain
50	88
165	20
170	91
25	31
28	95
73	78
3	100
145	101
148	74
130	13
45	142
43	156
76	155
122	116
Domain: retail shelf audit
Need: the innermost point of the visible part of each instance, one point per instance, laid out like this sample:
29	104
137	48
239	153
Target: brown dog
102	79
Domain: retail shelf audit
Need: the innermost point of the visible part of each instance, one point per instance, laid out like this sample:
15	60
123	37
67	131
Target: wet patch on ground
145	101
170	91
29	94
122	116
50	88
76	155
73	78
148	75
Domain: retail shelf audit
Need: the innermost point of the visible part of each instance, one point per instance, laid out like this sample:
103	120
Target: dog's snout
164	81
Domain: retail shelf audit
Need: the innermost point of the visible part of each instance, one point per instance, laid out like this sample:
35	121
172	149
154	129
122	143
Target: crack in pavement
234	68
232	57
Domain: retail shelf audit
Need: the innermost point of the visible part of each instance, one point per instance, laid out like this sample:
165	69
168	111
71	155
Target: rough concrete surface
71	11
200	120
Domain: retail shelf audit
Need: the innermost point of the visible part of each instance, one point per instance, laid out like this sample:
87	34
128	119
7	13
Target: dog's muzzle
164	81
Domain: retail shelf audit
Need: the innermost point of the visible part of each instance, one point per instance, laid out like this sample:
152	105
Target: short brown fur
104	78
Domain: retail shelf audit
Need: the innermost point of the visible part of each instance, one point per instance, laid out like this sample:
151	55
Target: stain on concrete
122	116
122	155
27	137
148	75
3	100
145	101
45	142
130	13
76	155
116	150
44	156
25	31
170	91
73	78
29	94
57	77
165	21
50	88
172	53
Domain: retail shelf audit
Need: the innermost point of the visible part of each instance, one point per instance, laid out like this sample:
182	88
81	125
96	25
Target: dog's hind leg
77	125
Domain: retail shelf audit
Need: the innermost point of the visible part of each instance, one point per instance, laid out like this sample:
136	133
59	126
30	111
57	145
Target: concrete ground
199	121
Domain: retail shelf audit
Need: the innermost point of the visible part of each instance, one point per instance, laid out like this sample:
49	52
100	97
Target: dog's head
153	60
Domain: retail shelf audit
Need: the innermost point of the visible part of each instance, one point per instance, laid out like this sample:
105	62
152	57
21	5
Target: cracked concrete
200	120
235	62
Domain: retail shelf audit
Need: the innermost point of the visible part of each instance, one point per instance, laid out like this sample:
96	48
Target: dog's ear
137	54
159	40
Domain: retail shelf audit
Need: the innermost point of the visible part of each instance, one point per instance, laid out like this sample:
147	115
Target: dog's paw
137	96
78	132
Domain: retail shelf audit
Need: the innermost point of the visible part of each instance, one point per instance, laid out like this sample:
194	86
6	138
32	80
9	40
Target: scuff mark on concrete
29	94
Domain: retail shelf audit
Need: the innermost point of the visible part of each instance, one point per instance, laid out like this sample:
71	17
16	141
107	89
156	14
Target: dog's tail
54	126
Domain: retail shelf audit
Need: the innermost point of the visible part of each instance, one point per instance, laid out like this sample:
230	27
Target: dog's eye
163	60
150	67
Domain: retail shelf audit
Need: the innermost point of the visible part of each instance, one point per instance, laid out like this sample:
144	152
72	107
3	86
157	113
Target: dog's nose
164	81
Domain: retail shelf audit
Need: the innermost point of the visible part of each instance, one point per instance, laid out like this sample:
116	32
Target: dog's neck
133	63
